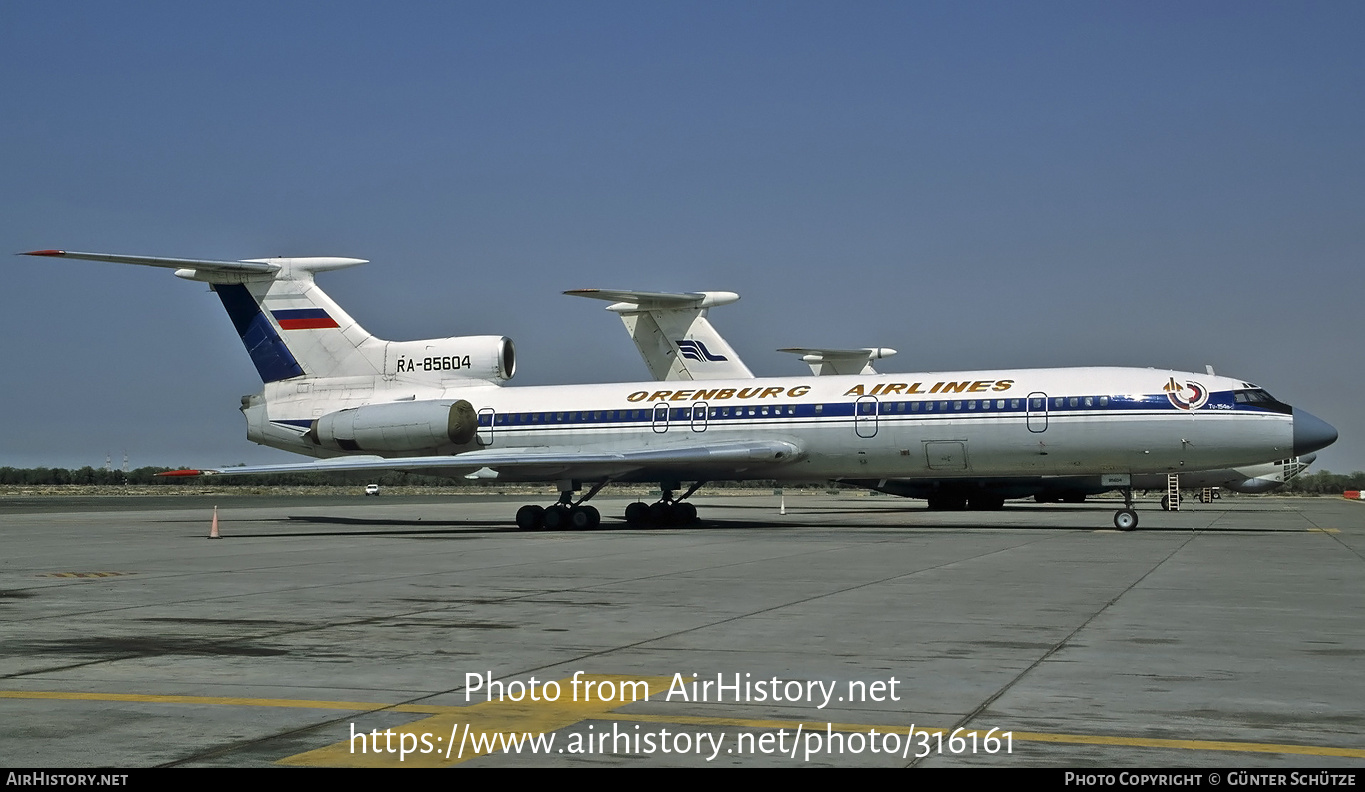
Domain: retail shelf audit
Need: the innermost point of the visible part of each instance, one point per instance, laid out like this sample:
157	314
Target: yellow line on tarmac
489	718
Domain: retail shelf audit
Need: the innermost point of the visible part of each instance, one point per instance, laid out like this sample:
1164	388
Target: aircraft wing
719	457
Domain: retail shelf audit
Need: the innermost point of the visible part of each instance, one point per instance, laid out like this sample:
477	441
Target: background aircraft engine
1255	485
397	426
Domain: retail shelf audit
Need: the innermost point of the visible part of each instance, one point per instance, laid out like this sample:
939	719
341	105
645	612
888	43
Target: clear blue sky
975	184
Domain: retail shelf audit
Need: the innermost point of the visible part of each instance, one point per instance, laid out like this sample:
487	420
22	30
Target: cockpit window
1259	398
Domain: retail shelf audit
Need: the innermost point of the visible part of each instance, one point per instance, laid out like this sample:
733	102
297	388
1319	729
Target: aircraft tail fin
289	326
673	334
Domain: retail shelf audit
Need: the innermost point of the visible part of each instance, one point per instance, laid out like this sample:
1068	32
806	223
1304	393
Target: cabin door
1037	412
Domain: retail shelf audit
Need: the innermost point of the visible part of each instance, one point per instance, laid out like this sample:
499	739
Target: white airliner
334	391
685	315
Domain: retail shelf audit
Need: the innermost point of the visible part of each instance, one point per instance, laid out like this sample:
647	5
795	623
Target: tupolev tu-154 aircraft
439	406
674	335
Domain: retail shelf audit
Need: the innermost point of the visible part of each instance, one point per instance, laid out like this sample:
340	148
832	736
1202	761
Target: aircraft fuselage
1031	422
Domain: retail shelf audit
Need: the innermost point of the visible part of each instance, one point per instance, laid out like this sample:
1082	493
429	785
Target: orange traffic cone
213	532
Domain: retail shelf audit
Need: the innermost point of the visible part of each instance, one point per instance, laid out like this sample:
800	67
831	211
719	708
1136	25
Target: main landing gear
1126	519
567	513
667	511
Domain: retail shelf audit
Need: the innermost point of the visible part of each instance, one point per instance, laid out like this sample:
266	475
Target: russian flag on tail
303	319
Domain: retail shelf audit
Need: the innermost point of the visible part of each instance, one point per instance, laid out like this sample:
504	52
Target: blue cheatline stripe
271	357
840	412
889	411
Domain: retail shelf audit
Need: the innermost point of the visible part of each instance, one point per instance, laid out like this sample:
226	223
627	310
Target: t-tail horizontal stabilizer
824	362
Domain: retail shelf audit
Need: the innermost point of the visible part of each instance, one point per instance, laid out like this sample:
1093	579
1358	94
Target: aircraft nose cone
1311	433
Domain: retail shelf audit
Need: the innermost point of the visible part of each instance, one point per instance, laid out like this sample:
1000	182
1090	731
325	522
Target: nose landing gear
1126	519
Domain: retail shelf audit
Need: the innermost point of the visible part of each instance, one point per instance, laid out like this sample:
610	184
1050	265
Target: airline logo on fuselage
1189	395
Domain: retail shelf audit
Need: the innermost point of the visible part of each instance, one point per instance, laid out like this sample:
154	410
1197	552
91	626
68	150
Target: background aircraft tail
673	334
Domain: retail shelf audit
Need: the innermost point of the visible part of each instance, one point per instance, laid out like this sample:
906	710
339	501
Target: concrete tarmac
412	631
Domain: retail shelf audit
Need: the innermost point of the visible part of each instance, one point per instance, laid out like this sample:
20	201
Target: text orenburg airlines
801	742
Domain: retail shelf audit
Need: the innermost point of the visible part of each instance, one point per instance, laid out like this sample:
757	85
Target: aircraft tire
556	517
584	518
637	513
530	517
684	513
1125	520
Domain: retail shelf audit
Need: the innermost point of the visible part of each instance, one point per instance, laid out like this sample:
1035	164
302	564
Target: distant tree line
1325	482
147	475
392	478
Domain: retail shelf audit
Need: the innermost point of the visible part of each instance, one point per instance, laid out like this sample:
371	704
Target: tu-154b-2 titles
334	391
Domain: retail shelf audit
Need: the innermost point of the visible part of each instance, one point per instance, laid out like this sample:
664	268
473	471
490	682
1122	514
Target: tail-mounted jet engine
491	358
397	426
